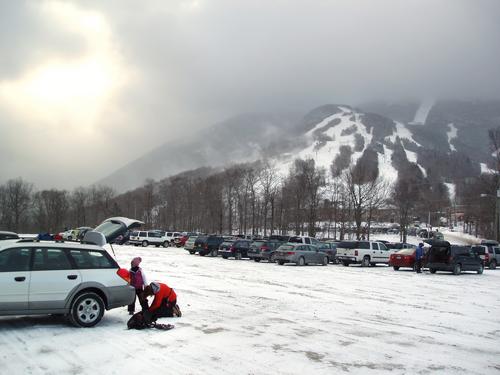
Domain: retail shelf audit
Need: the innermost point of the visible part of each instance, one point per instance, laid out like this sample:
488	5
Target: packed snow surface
242	317
423	111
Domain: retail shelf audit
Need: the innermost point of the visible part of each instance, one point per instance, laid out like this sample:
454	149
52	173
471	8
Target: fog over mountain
87	87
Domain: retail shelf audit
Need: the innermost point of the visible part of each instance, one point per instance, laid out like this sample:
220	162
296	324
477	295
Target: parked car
300	254
110	229
146	238
172	237
330	248
403	258
399	245
189	245
303	239
205	245
263	250
80	281
4	235
69	235
279	238
489	252
366	253
228	242
452	258
237	250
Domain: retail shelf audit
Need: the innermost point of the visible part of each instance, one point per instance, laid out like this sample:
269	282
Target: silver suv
79	281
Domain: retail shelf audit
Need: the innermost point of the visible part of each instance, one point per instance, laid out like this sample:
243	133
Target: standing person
139	282
164	303
419	254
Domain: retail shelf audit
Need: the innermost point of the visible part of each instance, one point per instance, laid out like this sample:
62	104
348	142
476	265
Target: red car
180	241
402	258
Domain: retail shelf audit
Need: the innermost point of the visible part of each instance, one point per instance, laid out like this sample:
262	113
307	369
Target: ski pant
165	310
418	266
142	300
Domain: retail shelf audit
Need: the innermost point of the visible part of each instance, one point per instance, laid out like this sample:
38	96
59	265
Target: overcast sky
86	87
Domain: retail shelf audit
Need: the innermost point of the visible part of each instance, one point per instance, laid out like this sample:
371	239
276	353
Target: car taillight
290	253
231	248
206	247
264	248
356	252
124	274
486	257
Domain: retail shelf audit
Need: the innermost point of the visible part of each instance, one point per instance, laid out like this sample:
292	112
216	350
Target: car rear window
285	247
295	240
258	243
406	252
348	244
134	234
460	250
479	250
88	259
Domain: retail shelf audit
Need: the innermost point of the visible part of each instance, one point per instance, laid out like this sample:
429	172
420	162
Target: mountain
443	141
242	138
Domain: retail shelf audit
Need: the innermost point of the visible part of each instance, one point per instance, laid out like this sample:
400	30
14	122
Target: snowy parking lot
242	317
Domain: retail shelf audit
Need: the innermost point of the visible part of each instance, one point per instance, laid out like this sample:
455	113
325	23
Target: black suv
205	245
263	249
239	249
445	257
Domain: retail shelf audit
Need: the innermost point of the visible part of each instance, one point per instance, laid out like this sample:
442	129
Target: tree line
254	198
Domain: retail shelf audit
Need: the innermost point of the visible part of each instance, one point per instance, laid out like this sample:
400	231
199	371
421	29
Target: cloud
166	69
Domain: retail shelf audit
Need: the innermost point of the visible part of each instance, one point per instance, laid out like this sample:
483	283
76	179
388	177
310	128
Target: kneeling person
164	303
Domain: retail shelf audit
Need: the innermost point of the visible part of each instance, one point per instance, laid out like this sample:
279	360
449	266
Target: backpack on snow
137	321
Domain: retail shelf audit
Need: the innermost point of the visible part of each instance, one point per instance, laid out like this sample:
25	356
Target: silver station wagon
300	254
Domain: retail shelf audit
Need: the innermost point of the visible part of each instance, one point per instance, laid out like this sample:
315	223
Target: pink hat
136	261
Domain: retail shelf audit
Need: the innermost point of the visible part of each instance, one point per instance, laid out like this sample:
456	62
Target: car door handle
20	278
72	277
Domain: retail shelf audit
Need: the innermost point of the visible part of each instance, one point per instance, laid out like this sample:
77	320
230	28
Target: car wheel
325	261
145	243
301	262
396	268
272	259
224	257
70	238
165	244
493	264
457	270
366	261
346	264
87	310
432	270
480	270
192	252
256	260
213	253
281	262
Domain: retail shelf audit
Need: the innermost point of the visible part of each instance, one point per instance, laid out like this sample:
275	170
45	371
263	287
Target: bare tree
16	198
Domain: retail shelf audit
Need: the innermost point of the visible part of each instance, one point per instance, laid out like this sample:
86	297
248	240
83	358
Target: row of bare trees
251	199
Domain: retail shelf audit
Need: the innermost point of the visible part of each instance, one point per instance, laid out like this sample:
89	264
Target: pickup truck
365	253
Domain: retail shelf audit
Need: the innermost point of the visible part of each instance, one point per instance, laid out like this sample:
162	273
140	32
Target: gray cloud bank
197	62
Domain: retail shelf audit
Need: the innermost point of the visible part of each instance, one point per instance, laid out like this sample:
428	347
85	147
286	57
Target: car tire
165	244
366	261
86	310
213	253
281	262
396	268
457	270
224	257
480	270
432	270
325	261
345	264
301	262
493	264
145	243
256	260
70	238
272	259
192	252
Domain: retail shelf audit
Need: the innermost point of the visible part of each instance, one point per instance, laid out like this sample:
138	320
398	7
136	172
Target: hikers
419	254
139	282
164	303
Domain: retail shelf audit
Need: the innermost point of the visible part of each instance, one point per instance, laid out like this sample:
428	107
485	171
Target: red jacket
165	292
